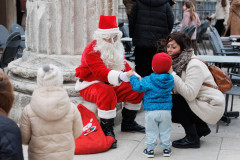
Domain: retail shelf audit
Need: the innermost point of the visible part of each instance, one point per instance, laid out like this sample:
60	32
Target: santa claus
103	80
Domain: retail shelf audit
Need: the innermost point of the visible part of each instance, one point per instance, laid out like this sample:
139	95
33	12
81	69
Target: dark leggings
143	60
181	112
220	27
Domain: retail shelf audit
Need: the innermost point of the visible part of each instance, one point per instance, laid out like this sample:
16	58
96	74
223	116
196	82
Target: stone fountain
57	31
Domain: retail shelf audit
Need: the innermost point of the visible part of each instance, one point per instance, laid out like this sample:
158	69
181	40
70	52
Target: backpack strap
206	84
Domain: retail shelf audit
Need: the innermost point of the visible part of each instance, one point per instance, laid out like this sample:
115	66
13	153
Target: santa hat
107	24
49	75
161	63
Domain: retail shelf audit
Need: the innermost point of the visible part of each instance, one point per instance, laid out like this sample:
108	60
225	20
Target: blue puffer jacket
157	88
10	140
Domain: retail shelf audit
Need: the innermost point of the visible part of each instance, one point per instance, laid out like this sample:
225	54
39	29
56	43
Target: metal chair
191	30
3	36
202	29
18	28
10	50
185	29
225	41
218	48
235	91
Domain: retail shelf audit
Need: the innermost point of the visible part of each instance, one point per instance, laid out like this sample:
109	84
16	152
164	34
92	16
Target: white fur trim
174	73
82	85
107	114
131	106
113	77
137	75
112	30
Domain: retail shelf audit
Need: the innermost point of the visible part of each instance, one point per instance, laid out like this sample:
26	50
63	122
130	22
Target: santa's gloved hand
123	77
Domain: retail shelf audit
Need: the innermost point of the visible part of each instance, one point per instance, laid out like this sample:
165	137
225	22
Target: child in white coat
50	123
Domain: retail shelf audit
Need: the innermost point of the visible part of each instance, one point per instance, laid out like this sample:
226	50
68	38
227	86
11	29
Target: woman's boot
191	140
128	123
202	129
107	127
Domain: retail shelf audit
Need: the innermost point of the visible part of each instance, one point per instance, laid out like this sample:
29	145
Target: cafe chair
10	50
235	91
3	36
18	28
224	40
185	29
201	30
218	48
191	30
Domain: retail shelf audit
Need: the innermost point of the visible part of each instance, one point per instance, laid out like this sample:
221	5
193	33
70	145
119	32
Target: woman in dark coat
10	137
149	21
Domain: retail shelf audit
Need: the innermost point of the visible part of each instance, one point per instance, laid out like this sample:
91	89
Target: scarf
180	61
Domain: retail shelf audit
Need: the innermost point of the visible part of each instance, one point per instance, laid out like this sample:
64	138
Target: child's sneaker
148	153
167	152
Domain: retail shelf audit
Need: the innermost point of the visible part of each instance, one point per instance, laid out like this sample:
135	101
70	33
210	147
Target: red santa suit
101	85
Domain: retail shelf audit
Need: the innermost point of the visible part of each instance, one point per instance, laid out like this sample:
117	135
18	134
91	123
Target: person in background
50	123
234	19
24	13
221	15
150	21
190	17
157	102
194	104
10	136
172	2
128	4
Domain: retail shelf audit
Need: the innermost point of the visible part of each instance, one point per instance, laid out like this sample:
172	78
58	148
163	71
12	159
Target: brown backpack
221	77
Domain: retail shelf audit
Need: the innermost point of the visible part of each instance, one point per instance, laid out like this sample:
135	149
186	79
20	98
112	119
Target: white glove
123	76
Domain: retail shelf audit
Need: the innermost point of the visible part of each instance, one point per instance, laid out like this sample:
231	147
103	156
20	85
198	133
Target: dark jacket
10	140
149	21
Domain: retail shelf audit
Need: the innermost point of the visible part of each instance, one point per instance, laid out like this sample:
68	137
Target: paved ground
223	145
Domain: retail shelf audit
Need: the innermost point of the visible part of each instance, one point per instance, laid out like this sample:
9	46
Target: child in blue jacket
157	102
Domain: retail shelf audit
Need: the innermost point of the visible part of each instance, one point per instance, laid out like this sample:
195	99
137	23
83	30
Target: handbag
221	77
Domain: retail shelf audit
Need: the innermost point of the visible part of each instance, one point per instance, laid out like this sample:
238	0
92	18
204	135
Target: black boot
128	123
191	140
107	127
202	129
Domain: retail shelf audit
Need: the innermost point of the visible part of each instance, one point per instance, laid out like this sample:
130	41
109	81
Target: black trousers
182	114
220	27
143	60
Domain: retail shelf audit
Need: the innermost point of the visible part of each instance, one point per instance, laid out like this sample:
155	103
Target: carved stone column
57	31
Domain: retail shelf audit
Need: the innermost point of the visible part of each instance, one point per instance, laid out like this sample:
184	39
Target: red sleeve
96	66
127	67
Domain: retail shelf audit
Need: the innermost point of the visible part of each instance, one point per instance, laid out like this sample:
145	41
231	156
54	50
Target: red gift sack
92	139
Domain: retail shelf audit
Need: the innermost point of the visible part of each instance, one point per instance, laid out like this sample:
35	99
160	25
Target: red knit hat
108	24
161	63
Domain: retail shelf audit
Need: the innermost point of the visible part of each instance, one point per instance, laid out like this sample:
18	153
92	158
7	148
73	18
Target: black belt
80	80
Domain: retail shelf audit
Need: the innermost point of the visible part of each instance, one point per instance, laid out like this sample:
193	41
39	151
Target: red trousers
106	96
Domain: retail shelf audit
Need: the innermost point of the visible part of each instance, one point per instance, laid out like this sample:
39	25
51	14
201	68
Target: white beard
112	54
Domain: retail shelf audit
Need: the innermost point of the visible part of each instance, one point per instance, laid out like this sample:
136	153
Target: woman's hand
170	70
130	73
